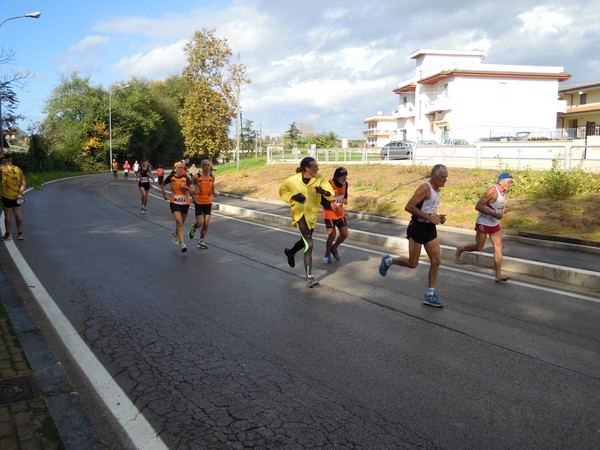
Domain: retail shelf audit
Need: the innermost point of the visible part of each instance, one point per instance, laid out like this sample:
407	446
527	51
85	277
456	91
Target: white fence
488	155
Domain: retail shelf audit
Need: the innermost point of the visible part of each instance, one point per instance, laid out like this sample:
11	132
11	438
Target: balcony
404	112
437	105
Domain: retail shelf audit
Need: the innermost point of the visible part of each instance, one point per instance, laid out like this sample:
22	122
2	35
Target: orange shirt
179	189
337	207
205	189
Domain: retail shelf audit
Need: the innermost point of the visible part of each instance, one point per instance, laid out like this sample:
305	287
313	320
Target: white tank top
497	206
429	205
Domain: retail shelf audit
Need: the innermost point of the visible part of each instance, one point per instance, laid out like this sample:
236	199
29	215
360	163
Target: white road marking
134	424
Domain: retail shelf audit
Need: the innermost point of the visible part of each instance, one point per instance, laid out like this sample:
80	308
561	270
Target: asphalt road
227	348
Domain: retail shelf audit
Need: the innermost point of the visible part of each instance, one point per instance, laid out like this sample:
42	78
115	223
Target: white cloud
545	20
157	63
84	56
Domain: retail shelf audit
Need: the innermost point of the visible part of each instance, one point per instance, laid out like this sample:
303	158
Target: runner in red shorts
491	207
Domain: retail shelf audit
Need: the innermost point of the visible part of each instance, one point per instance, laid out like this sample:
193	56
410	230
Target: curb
552	272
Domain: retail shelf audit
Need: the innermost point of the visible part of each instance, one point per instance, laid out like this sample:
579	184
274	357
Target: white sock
430	291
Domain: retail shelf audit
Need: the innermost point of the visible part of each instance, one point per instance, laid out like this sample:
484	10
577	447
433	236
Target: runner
179	202
491	207
421	231
136	166
205	189
115	169
126	168
333	214
303	192
13	186
144	175
160	173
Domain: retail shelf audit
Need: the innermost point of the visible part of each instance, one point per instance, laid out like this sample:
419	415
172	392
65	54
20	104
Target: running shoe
335	254
432	300
142	210
145	211
384	266
290	257
174	239
21	237
311	281
327	259
192	231
6	237
183	247
202	244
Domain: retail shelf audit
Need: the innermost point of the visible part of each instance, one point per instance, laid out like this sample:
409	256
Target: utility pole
237	129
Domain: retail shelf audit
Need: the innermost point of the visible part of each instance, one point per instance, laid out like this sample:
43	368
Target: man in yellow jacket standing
303	192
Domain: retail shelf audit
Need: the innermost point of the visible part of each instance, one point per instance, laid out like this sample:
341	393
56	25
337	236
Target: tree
9	80
293	133
248	136
210	103
74	114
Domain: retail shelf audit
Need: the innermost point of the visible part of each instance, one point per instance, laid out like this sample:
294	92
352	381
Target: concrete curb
563	274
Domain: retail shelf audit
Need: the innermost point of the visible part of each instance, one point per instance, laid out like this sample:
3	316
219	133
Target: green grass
246	163
36	180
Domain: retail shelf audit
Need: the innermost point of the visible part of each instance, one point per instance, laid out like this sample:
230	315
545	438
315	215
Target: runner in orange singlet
179	202
205	189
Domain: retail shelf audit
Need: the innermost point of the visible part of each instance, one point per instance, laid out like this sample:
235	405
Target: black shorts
144	185
10	203
203	209
332	223
183	209
421	232
161	179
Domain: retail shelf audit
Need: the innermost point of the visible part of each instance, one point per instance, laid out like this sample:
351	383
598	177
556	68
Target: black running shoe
290	257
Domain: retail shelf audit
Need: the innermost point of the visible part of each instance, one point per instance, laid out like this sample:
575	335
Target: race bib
144	180
180	199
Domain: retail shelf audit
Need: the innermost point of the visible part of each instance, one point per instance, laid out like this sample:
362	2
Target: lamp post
110	89
33	15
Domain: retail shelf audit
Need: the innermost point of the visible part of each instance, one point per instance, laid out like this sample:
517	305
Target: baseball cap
504	176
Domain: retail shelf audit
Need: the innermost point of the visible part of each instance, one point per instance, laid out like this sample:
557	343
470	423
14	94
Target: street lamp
33	15
110	89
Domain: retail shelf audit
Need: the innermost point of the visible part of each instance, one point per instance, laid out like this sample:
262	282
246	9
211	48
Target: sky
326	64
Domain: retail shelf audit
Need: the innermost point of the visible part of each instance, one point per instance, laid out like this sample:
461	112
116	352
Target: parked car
427	142
455	142
397	150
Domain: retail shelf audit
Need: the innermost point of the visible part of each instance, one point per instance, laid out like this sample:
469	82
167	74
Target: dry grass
385	189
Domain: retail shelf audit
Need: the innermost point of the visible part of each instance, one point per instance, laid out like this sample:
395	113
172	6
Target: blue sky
323	64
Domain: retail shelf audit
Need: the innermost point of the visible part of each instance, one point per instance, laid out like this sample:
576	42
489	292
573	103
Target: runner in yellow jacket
303	191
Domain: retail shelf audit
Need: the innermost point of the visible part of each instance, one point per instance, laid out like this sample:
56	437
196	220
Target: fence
539	155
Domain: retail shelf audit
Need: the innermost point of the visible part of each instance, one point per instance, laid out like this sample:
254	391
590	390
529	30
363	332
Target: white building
455	95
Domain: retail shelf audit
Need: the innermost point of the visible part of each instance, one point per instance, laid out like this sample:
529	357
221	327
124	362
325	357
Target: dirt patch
385	189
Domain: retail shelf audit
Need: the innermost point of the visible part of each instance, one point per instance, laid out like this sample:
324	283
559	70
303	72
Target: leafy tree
248	136
74	113
9	80
210	103
293	133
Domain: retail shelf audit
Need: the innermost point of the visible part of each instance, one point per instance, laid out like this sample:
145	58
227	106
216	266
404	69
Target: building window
582	99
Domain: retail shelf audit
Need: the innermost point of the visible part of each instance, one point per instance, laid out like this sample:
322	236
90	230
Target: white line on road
134	424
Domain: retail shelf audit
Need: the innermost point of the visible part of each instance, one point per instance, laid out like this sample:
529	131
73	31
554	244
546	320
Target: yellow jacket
310	208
